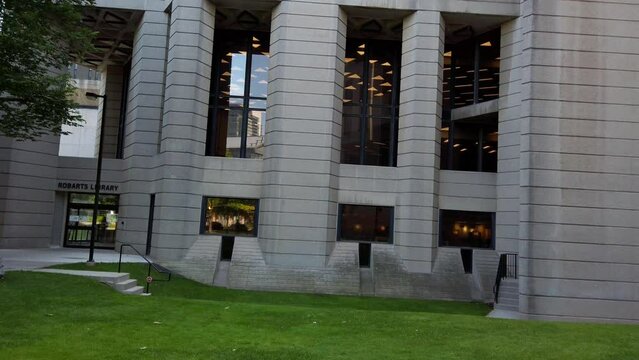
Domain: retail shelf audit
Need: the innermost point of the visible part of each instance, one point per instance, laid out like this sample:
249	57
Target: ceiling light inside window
486	44
448	54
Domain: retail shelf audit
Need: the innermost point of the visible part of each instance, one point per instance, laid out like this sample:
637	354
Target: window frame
233	234
365	105
214	92
440	240
476	44
391	230
450	160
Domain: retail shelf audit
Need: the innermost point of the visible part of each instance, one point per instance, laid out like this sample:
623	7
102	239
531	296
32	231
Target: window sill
475	110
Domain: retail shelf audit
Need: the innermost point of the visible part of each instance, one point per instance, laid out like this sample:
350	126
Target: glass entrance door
80	217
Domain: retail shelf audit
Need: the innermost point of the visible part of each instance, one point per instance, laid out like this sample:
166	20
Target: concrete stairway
118	281
508	295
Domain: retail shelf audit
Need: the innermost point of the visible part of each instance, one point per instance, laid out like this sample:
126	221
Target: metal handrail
156	267
507	269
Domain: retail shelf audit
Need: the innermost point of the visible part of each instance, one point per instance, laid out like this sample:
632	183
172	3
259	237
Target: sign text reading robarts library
85	186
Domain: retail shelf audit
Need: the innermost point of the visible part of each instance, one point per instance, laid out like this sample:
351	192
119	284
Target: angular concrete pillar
144	115
418	143
186	101
301	163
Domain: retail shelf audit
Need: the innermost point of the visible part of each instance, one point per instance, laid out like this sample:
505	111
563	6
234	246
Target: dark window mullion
394	126
451	147
480	150
247	93
476	74
364	109
212	128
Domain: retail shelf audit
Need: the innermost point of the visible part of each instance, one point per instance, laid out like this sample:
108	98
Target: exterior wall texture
564	196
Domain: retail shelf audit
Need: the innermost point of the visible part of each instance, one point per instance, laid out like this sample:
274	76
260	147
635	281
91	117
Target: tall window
371	89
470	144
471	71
237	110
365	223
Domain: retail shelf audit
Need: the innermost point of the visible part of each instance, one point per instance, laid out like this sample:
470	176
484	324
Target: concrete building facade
388	148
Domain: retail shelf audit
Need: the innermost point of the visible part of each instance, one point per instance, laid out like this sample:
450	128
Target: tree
39	39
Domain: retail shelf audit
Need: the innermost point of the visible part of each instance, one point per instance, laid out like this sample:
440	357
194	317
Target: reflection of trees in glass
81	198
227	215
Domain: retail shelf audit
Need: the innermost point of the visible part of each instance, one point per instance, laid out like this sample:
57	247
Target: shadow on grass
180	287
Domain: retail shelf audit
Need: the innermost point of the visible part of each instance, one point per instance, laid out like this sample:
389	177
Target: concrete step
124	285
136	290
118	281
102	276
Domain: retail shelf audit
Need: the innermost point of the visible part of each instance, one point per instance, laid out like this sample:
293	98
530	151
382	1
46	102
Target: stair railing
158	268
507	269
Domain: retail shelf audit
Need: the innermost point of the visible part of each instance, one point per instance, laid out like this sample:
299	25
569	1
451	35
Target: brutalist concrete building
420	148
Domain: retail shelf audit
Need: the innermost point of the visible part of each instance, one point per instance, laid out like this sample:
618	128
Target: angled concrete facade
564	196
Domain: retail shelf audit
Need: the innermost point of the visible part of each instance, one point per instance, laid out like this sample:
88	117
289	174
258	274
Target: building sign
86	186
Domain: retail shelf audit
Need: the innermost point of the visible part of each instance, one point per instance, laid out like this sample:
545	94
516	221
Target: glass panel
255	134
259	65
464	74
229	129
79	221
351	140
85	198
230	216
354	72
380	72
448	56
466	142
490	148
366	223
445	145
466	229
378	142
489	59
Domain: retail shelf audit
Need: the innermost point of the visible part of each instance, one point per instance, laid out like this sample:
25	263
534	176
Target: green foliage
38	37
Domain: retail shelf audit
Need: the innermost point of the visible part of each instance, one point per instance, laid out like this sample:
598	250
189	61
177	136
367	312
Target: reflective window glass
366	223
228	216
237	118
468	229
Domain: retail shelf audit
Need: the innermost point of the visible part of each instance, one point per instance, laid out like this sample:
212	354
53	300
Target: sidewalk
23	259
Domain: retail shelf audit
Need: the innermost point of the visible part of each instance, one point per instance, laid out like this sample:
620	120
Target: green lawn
48	316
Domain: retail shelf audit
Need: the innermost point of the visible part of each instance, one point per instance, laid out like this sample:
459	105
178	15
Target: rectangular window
371	97
80	218
466	229
470	144
365	223
227	216
364	250
471	70
237	105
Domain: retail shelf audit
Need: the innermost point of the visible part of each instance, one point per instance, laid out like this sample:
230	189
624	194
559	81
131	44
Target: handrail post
147	279
120	261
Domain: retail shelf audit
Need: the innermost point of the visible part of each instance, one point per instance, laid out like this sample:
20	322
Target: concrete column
507	218
144	116
113	82
188	78
579	141
146	85
301	163
418	143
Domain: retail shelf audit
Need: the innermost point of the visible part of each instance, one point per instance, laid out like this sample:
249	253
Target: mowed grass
49	316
